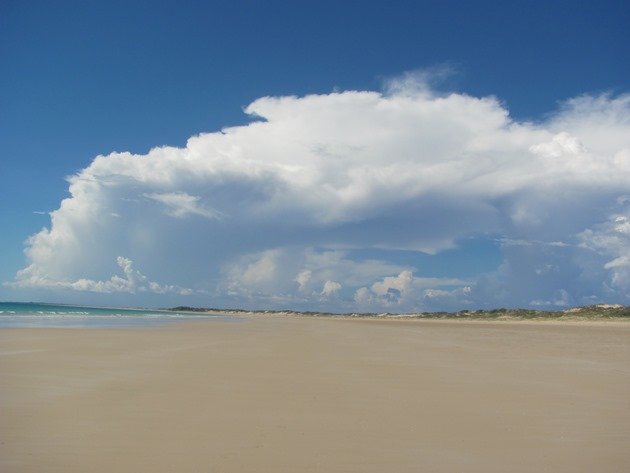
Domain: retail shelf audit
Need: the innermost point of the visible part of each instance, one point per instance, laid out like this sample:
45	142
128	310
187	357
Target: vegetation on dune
600	311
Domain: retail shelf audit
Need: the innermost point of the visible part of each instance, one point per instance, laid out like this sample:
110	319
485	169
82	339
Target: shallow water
28	314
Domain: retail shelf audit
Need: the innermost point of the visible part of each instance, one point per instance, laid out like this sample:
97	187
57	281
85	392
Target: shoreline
165	320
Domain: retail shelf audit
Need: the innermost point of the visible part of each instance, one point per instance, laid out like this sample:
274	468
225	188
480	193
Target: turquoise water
28	314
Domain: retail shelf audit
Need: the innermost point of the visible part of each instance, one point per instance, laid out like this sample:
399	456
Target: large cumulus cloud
271	211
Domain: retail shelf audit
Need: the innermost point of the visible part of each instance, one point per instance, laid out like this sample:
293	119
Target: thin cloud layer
272	212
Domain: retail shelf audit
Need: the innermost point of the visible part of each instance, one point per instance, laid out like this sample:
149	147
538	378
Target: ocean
29	314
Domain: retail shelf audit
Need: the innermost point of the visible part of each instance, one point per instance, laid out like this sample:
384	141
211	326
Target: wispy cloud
180	205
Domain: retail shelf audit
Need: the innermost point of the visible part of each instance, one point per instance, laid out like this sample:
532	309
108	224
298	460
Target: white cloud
133	281
563	144
322	176
420	81
255	273
392	289
330	289
611	241
457	297
410	293
180	205
303	278
272	272
561	299
512	242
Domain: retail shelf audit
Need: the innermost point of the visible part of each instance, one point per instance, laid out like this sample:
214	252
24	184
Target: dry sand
317	395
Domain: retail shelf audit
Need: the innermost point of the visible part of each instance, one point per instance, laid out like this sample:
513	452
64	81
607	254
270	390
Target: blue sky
466	201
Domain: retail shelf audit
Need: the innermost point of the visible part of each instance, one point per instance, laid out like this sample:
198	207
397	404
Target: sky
341	156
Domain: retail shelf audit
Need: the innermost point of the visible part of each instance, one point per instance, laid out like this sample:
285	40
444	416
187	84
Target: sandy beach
284	394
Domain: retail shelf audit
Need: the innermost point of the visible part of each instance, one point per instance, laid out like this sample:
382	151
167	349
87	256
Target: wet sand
282	394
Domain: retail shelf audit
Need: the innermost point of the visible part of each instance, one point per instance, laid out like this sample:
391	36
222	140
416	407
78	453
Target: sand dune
317	395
